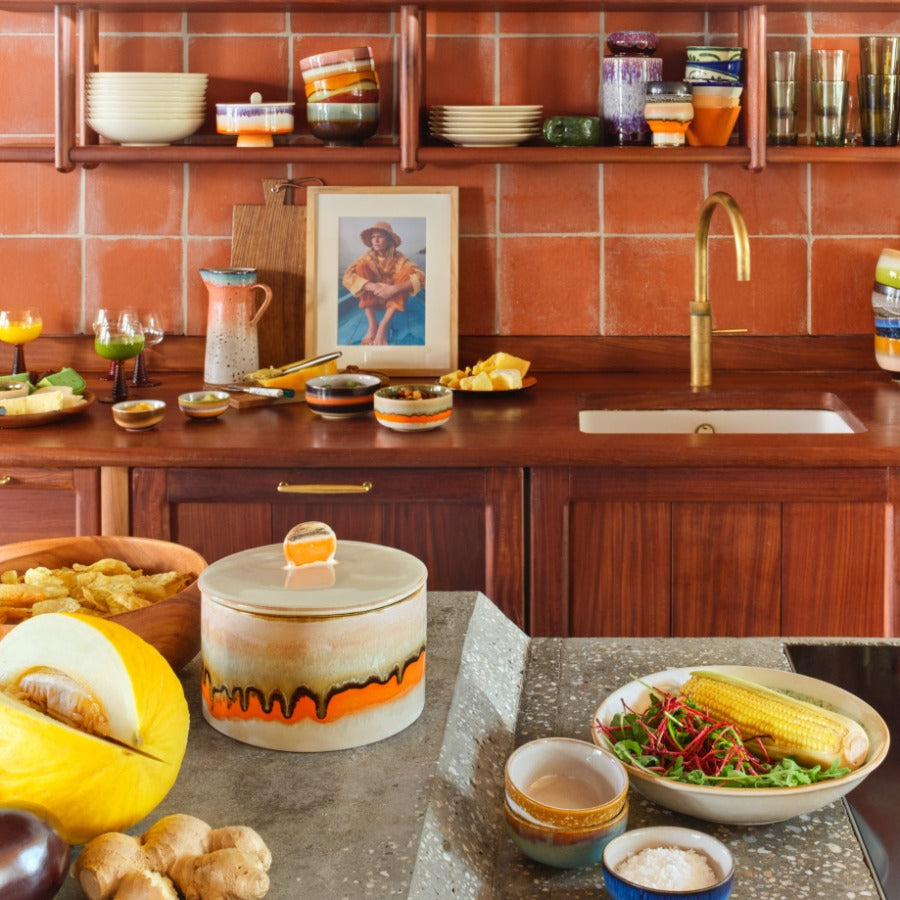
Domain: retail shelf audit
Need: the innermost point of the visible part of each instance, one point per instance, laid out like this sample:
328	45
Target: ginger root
172	837
178	850
145	885
243	837
105	860
226	874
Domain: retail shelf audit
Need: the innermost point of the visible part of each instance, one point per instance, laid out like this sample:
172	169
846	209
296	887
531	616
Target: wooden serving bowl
171	625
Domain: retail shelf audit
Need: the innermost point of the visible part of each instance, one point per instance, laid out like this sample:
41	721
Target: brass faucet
701	318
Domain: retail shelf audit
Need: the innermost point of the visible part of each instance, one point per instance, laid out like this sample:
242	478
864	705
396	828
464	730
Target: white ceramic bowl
756	806
719	859
564	782
147	132
398	408
204	404
138	415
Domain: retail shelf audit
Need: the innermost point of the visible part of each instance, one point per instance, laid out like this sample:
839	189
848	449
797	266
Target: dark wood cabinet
48	502
467	525
687	552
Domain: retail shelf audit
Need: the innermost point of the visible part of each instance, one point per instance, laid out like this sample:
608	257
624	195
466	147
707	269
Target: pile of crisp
500	372
104	588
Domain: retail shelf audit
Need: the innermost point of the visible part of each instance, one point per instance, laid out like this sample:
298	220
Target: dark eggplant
34	859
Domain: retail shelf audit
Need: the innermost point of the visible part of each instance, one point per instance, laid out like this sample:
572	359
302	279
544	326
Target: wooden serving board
272	239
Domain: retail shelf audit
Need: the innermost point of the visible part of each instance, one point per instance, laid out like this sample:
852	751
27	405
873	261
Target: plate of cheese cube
56	396
501	373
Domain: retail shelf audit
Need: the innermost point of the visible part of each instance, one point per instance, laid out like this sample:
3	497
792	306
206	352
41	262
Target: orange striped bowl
413	407
341	396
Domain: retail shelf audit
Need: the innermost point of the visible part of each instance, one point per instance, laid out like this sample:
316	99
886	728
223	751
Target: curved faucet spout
701	318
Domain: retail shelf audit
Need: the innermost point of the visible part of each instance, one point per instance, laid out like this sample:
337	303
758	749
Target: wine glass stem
119	389
18	359
140	371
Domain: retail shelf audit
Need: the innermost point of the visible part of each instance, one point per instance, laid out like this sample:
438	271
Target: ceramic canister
625	77
312	658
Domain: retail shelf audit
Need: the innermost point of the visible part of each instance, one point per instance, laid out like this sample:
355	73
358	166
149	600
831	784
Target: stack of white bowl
485	126
146	108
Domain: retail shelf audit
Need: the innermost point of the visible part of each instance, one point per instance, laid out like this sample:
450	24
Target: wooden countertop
535	427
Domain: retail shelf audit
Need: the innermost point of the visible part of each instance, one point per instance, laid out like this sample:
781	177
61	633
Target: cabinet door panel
834	569
40	503
726	569
619	565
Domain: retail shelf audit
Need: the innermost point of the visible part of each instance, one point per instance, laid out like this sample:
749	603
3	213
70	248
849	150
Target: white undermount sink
714	421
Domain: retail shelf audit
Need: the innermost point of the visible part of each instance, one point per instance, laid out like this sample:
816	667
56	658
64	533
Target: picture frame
386	308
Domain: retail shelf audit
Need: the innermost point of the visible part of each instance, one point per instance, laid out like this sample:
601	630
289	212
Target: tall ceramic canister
886	307
625	76
316	657
232	346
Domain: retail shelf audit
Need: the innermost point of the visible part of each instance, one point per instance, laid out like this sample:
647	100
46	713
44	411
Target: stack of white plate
146	108
485	126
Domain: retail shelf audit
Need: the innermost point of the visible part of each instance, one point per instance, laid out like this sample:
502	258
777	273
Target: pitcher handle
267	299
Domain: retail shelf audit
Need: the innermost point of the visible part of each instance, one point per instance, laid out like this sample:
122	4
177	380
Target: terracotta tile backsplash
561	249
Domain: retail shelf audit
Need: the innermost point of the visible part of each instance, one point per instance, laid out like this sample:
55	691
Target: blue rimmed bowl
666	837
341	396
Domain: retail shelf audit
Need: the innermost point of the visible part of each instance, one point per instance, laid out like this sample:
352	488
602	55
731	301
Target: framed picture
381	277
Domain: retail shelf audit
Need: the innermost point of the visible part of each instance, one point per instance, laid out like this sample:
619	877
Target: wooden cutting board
271	238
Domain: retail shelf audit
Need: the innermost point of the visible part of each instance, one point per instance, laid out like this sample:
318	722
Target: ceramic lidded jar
317	657
625	76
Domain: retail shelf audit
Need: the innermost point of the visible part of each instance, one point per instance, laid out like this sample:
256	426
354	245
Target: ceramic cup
572	131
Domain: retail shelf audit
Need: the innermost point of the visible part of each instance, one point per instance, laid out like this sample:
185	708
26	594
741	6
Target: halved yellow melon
93	723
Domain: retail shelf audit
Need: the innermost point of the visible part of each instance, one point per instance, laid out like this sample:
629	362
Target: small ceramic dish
203	404
255	122
138	415
341	396
660	843
720	73
713	54
342	124
566	783
563	848
413	407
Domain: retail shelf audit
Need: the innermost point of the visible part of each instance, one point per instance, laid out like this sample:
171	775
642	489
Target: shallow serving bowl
203	404
171	625
138	415
718	857
756	806
563	847
564	782
146	132
341	396
413	407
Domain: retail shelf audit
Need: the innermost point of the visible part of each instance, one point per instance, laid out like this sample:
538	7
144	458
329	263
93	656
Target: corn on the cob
785	725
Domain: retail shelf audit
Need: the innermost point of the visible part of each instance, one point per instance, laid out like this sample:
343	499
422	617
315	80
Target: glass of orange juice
18	327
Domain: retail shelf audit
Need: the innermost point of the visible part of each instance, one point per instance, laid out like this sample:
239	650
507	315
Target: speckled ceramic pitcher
232	349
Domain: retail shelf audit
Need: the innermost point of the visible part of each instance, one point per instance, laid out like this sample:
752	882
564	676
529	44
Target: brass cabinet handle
285	488
5	479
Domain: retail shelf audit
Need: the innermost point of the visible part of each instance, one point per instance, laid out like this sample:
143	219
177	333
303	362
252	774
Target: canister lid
362	577
676	88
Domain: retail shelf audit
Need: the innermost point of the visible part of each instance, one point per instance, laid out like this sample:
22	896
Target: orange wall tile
562	249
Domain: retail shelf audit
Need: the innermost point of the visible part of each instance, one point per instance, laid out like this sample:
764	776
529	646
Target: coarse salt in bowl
667	862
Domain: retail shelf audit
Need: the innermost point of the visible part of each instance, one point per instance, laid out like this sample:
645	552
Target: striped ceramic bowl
413	407
341	396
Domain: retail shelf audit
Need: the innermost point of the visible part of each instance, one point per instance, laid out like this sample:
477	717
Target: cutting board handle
273	187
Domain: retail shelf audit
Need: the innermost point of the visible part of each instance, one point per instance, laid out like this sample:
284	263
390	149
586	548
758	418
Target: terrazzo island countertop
420	814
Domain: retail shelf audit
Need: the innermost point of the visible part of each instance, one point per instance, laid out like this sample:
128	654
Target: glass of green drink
118	342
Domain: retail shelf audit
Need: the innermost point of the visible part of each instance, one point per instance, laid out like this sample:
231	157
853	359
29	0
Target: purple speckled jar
625	80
